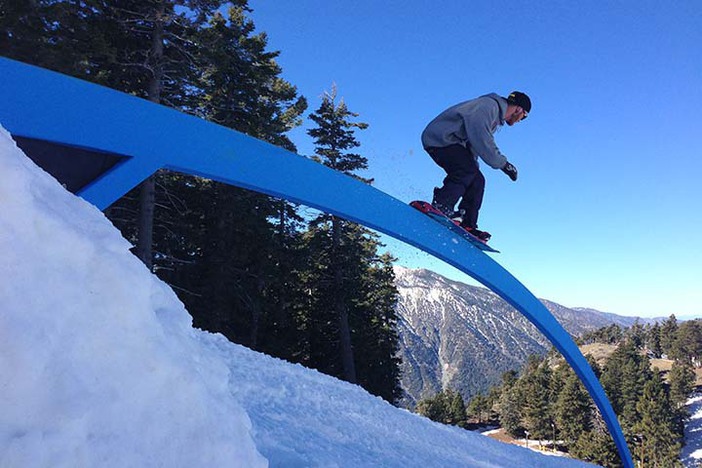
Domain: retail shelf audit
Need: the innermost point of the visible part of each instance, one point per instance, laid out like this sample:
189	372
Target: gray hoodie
470	124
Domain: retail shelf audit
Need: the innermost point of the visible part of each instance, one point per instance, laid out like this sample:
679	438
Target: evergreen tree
374	324
241	278
492	402
370	297
151	59
623	379
57	35
636	334
536	388
654	340
446	407
510	411
682	382
334	137
138	47
669	329
479	408
433	408
239	82
611	334
573	411
596	447
456	409
507	403
509	379
658	441
351	288
687	343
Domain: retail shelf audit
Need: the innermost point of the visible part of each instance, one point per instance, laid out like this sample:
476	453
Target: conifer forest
547	403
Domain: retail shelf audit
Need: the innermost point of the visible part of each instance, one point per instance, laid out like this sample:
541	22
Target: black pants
463	180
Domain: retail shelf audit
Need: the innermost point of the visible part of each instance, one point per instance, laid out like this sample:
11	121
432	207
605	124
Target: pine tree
456	409
535	386
682	382
623	379
350	291
509	404
479	408
374	323
687	343
142	48
510	411
433	408
611	334
66	36
654	340
669	329
239	82
658	442
334	137
597	447
446	407
573	412
636	334
236	272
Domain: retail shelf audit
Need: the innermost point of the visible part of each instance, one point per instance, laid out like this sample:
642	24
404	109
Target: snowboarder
455	139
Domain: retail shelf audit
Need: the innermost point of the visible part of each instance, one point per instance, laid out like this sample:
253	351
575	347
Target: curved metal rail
37	103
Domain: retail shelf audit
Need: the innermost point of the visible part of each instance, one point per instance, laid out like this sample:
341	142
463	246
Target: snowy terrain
692	452
100	366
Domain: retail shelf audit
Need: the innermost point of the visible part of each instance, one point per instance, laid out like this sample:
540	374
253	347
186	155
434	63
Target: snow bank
691	454
99	364
304	418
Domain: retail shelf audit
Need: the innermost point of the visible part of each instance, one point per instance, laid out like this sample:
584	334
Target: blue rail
37	103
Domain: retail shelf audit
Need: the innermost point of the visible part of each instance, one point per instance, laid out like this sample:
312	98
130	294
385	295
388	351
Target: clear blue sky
606	212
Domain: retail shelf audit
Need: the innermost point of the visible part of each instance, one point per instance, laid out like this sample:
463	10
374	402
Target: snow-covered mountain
100	366
464	337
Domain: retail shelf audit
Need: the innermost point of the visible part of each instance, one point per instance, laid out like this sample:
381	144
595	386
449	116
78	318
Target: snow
100	366
691	455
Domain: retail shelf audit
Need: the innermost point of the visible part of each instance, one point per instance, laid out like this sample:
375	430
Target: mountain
465	337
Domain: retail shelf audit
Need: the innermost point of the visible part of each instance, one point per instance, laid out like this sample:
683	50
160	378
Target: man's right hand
510	170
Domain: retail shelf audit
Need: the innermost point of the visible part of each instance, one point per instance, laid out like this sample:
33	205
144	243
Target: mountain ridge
463	337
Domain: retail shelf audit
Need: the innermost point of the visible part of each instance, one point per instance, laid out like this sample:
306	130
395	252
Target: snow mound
99	363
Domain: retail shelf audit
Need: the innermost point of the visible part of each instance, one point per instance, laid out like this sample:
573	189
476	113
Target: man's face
518	115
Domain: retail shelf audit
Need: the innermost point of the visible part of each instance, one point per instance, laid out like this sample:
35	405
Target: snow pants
463	181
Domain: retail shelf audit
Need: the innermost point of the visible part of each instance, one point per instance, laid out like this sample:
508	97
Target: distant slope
464	337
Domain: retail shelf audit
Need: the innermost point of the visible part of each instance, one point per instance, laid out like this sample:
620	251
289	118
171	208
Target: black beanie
520	99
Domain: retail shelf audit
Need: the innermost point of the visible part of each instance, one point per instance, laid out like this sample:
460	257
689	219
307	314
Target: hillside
464	337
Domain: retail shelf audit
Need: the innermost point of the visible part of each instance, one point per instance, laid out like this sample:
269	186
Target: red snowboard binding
455	224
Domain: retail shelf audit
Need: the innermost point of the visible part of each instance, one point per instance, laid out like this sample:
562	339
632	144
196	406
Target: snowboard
438	216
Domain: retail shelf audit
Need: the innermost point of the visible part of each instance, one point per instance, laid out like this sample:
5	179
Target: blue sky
605	213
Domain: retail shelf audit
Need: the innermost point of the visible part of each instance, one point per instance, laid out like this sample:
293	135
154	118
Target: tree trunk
256	312
147	194
145	223
281	310
341	309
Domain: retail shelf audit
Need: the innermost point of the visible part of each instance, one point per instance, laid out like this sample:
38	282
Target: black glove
510	170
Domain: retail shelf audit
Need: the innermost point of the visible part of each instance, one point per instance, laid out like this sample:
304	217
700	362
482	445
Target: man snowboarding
456	138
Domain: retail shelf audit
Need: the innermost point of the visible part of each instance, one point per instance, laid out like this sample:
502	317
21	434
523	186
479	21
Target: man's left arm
479	127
